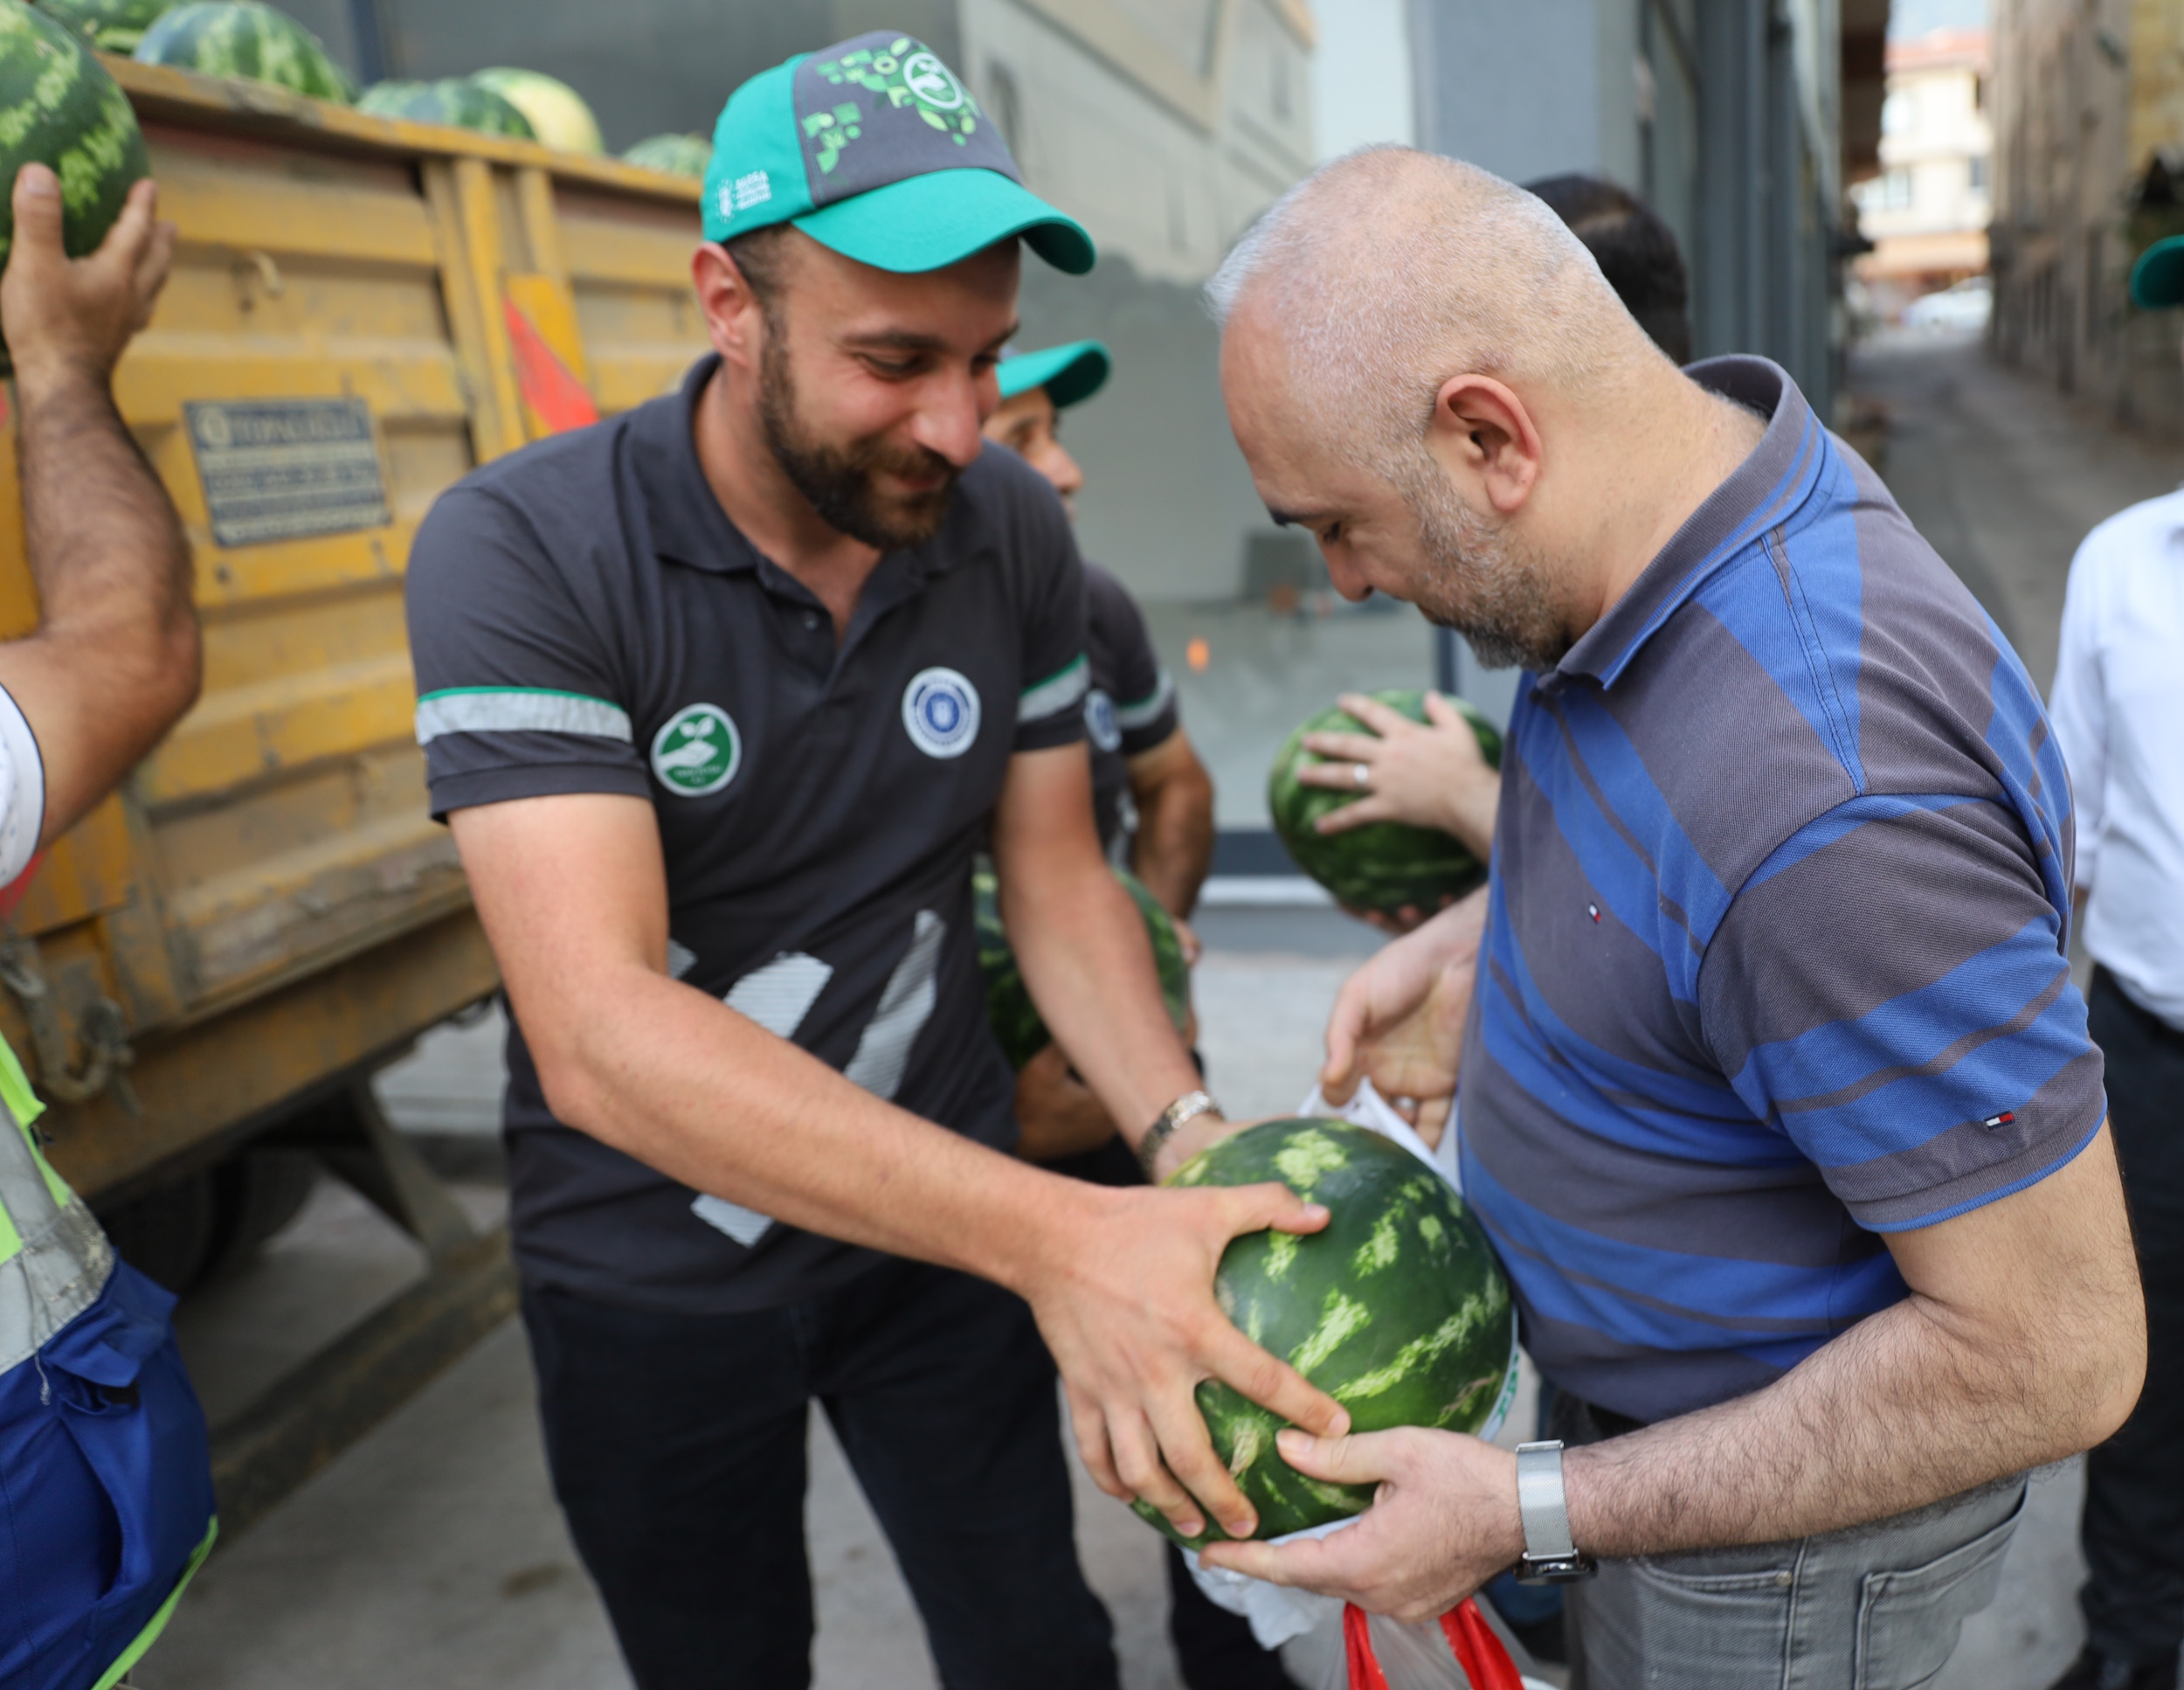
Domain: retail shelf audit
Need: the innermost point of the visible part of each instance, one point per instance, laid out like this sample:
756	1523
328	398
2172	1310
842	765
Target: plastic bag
1355	1650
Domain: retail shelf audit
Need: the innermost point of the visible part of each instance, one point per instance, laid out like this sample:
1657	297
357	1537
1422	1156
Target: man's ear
734	319
1484	436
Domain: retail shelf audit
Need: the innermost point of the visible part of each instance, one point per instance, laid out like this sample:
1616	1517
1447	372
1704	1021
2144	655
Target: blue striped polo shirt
1774	962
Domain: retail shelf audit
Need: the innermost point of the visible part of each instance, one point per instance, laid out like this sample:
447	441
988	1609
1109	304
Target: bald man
1775	1094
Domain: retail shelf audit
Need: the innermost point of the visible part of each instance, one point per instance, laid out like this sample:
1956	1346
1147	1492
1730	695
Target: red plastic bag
1485	1663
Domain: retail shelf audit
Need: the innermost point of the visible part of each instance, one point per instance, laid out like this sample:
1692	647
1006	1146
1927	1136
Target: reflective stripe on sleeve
1146	711
518	709
1058	692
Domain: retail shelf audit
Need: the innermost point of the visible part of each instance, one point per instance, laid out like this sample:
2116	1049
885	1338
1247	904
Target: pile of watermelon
65	112
1397	1309
677	154
248	39
1385	866
452	100
1009	1007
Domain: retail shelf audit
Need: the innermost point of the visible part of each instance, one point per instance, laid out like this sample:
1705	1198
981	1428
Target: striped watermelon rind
63	110
1014	1017
1385	866
246	39
112	25
557	113
1397	1309
677	154
455	100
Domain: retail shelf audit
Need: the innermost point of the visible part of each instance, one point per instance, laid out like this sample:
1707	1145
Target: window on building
1900	112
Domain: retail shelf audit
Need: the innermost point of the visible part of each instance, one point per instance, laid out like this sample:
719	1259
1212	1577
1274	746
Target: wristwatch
1188	1107
1550	1557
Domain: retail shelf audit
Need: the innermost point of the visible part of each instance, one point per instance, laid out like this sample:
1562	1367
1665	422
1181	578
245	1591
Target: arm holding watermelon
1399	1019
1433	776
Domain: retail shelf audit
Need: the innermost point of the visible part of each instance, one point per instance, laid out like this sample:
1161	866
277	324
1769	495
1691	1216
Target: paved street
430	1552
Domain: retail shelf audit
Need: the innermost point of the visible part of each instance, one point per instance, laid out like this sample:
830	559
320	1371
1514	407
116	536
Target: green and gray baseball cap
874	147
1069	373
2157	280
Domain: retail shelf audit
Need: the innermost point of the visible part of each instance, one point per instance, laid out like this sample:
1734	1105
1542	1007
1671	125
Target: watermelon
113	25
455	100
1384	865
247	39
678	154
1397	1309
1009	1006
68	113
557	114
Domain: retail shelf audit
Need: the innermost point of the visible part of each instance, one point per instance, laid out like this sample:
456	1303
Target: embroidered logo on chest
940	712
697	750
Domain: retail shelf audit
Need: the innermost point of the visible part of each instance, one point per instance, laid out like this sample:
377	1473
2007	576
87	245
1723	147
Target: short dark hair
1635	250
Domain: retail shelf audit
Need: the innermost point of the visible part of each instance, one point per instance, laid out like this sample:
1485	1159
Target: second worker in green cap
719	698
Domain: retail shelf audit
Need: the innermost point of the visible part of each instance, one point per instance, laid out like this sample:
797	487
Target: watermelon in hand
65	112
1009	1006
1382	867
246	39
1397	1309
455	100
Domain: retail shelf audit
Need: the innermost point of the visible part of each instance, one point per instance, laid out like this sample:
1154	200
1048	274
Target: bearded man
719	699
1775	1095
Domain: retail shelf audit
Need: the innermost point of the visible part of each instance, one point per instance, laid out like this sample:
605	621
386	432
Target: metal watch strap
1549	1557
1188	1107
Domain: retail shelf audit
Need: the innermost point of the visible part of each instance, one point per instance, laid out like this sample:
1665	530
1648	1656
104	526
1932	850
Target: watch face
1556	1569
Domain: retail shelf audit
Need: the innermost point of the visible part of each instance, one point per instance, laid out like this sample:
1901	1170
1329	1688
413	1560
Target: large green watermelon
113	25
557	114
1397	1309
1009	1006
1384	865
247	39
454	100
64	110
678	154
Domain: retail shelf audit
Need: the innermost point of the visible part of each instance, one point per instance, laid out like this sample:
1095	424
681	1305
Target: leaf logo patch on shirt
940	712
697	750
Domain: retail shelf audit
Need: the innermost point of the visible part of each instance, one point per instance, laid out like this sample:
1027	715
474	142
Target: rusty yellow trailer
361	311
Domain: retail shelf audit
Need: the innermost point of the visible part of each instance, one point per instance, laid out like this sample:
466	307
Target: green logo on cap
904	74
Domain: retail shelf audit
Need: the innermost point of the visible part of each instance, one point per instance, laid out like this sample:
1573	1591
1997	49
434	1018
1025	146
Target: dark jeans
677	1447
2133	1527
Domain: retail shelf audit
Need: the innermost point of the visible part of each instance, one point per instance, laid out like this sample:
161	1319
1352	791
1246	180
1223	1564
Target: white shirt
2118	712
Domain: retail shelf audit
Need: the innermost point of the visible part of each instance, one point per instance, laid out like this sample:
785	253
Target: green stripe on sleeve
518	709
1058	692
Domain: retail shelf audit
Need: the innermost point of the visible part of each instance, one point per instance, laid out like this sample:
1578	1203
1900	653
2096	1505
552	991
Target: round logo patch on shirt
940	712
697	750
1099	721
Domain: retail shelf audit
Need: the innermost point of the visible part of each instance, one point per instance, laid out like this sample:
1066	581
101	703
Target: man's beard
842	481
1480	582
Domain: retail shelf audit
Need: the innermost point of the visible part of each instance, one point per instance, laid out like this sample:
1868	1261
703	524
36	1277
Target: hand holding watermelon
1431	774
72	318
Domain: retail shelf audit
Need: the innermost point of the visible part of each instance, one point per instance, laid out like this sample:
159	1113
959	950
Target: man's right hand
75	317
1124	1298
1399	1019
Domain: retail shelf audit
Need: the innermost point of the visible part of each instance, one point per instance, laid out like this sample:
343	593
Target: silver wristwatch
1550	1557
1188	1107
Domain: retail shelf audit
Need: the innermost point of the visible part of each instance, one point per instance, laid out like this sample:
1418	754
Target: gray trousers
1876	1607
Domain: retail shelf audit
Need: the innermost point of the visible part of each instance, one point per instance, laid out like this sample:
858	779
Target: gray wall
1511	86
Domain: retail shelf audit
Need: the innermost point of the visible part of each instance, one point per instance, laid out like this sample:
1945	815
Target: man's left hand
1444	1522
75	317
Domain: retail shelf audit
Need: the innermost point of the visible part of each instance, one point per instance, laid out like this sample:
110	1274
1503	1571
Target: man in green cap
719	697
2118	694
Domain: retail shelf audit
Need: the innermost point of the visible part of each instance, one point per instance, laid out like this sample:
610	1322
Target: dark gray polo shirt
584	618
1131	706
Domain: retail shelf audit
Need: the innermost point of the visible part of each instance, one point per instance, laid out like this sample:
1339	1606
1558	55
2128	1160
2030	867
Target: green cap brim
929	222
1069	374
2157	280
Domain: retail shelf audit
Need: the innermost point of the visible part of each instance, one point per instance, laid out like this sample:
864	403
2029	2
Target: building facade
1926	212
2089	171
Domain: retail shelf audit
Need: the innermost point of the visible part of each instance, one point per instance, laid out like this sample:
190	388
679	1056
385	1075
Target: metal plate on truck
286	469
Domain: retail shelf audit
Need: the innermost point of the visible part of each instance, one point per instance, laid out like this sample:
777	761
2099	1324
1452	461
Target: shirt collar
688	524
1763	492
